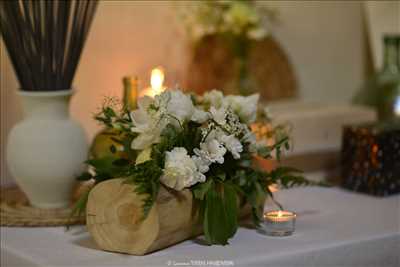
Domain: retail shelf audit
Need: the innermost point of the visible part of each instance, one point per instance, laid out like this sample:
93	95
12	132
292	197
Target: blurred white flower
249	137
218	115
244	106
239	17
145	102
202	163
258	33
247	18
233	145
214	98
152	115
179	105
267	113
212	151
230	142
200	116
180	171
148	128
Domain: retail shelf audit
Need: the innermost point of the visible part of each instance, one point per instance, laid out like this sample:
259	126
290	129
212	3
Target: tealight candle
279	223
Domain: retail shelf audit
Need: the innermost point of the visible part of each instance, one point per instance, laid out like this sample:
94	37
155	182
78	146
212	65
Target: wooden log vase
114	218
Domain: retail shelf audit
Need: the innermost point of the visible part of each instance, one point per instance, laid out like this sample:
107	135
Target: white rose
244	106
180	171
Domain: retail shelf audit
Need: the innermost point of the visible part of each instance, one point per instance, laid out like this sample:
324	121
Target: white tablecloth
334	228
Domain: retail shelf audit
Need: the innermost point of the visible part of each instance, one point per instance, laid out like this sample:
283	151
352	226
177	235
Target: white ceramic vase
46	150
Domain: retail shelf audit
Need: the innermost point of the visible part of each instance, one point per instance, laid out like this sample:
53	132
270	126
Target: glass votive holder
278	223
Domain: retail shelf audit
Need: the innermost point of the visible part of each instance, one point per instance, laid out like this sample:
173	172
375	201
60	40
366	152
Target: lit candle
279	223
273	188
156	82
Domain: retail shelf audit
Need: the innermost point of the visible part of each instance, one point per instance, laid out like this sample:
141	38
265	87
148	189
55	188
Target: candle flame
279	213
273	188
157	80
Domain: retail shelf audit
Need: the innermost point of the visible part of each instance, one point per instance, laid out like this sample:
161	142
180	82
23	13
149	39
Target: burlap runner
15	210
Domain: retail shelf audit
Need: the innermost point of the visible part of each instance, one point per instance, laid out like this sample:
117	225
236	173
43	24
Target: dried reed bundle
44	40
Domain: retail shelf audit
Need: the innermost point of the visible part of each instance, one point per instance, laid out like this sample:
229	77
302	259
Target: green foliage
170	138
85	176
80	205
253	188
200	190
220	213
266	151
109	167
288	177
106	116
191	135
145	177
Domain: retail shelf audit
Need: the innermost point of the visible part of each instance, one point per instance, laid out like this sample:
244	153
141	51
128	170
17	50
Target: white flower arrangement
198	143
224	118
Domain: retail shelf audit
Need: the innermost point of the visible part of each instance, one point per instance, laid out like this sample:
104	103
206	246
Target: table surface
334	227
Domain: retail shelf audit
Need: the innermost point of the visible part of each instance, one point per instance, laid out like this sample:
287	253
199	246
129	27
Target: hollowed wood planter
114	212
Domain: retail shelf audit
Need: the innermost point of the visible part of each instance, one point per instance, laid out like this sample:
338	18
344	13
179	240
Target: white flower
249	137
214	134
212	151
148	128
257	33
214	98
153	115
179	105
239	17
230	142
200	116
244	106
180	171
267	113
218	115
145	102
203	164
147	122
233	145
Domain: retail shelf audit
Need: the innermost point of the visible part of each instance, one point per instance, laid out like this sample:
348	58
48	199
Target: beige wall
324	40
